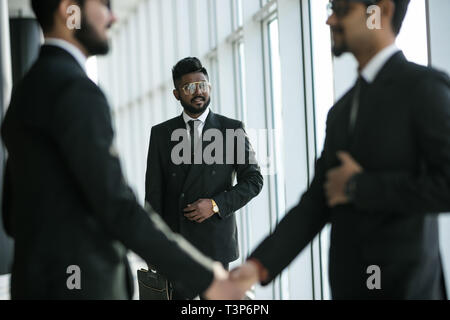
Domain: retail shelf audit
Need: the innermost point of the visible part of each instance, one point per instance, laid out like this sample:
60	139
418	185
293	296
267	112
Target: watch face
216	209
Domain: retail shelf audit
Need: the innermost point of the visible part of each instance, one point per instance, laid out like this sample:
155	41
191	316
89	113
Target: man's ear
62	9
176	94
387	9
62	15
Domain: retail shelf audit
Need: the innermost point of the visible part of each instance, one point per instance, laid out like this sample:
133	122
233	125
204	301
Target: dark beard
190	109
89	39
338	51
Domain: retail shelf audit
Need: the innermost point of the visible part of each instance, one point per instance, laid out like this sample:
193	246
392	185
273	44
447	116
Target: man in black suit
383	176
193	194
66	203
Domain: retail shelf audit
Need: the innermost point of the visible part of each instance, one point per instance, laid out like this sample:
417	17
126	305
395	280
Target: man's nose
197	89
113	18
332	20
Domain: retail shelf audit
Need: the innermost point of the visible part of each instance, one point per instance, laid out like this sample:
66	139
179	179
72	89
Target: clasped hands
233	285
199	211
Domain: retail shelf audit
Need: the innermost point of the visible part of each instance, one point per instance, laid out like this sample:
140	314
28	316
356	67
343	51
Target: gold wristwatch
215	207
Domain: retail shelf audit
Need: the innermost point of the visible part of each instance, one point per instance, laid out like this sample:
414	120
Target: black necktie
360	87
193	125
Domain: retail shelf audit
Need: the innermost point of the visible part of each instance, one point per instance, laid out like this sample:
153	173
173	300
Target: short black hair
401	7
186	66
44	11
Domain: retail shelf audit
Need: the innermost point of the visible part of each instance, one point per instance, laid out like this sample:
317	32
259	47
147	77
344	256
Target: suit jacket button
214	172
174	174
182	195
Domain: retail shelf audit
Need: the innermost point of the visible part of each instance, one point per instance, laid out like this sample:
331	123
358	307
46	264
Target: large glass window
239	59
277	112
212	65
322	68
240	83
276	172
212	23
238	18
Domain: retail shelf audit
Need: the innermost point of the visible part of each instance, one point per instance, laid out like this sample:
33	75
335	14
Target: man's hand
199	211
222	288
338	178
245	276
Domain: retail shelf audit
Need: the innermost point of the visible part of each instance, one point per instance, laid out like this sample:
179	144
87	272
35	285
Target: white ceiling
122	8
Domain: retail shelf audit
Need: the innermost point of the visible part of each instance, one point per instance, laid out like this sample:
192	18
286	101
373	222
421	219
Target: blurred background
270	65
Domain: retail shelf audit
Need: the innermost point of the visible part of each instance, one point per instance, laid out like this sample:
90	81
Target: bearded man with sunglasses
196	197
383	176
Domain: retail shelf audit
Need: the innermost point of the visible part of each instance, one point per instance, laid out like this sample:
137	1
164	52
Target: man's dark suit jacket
402	140
65	200
170	188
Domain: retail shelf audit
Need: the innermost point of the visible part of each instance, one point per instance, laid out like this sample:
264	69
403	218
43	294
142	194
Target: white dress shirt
371	70
202	120
70	48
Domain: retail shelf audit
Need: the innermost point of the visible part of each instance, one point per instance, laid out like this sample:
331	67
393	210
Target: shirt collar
371	70
202	118
70	48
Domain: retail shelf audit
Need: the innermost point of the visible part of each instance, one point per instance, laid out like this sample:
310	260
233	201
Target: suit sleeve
427	190
83	132
298	228
154	182
249	182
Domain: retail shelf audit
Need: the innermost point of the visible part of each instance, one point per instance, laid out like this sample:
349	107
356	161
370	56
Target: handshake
232	285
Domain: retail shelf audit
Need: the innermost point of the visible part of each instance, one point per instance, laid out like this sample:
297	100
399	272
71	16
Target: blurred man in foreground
383	176
66	203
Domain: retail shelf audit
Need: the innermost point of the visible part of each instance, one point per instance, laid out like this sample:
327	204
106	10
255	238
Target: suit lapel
196	170
179	124
373	96
339	123
51	51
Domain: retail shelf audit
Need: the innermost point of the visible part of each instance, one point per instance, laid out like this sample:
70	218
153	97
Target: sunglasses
342	7
191	88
